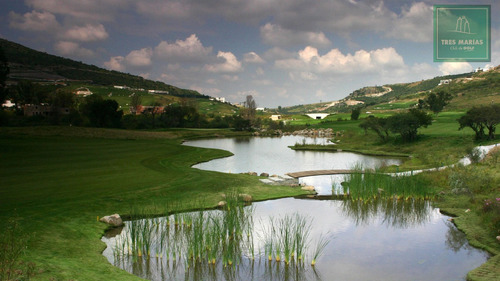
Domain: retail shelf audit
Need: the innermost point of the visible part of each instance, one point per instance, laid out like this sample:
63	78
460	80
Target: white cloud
72	49
252	57
86	10
231	78
413	24
229	64
241	95
320	94
277	36
33	21
139	58
87	33
189	50
309	60
135	59
115	63
448	68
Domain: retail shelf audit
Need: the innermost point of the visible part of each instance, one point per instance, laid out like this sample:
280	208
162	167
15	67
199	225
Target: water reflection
383	240
394	213
273	156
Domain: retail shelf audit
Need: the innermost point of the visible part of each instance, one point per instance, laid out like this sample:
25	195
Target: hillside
468	89
29	64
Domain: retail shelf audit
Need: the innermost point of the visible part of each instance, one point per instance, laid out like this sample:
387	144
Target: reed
319	249
367	185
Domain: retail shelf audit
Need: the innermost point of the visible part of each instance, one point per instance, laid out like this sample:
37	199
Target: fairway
57	187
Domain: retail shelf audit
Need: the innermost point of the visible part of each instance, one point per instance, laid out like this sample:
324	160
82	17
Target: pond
273	156
378	240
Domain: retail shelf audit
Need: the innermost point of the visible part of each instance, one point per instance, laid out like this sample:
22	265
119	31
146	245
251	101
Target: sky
282	52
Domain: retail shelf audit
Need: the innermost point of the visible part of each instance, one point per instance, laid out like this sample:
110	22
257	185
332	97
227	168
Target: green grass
58	184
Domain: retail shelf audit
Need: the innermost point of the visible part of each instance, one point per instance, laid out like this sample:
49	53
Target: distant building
8	104
83	92
318	115
444	82
120	87
158	92
260	109
276	117
43	110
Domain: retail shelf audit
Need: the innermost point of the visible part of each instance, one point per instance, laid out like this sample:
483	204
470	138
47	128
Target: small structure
8	104
444	82
83	92
43	110
318	115
276	117
158	92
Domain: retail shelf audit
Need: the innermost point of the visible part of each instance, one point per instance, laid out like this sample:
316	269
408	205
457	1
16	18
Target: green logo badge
462	33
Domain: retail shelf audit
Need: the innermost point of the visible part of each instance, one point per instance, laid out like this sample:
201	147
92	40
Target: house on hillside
318	115
83	92
43	110
275	117
444	82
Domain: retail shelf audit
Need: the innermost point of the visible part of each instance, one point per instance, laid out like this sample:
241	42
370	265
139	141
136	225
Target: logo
462	33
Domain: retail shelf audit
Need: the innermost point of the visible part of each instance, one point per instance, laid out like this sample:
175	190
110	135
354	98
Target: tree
248	112
355	113
407	124
135	102
102	113
481	118
4	73
435	102
378	125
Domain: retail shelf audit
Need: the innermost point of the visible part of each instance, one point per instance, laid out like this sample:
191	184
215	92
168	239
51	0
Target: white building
276	117
318	115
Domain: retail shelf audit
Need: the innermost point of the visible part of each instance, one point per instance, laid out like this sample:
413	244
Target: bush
469	179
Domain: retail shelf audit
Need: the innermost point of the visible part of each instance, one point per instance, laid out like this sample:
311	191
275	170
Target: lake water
381	240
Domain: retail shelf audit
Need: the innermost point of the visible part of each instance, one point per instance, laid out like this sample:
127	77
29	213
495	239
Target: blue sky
282	52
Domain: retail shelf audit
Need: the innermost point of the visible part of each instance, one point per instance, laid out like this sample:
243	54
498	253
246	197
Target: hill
29	64
468	89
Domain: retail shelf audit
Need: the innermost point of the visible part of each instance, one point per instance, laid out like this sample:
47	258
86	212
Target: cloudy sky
283	52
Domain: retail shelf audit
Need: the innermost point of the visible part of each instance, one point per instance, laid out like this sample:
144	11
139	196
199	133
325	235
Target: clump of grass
367	185
13	243
319	249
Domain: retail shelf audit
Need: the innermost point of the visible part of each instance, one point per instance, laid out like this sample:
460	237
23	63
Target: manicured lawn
57	187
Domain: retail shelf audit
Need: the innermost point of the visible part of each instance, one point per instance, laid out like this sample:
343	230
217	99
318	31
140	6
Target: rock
498	238
252	173
264	175
221	203
308	188
113	220
246	197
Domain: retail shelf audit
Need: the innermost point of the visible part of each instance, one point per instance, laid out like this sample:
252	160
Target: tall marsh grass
371	184
224	237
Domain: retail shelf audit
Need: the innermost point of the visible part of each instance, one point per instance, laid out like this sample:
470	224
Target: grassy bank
56	182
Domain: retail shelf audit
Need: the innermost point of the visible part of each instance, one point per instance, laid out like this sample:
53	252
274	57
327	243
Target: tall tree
435	102
355	113
135	103
250	108
4	73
